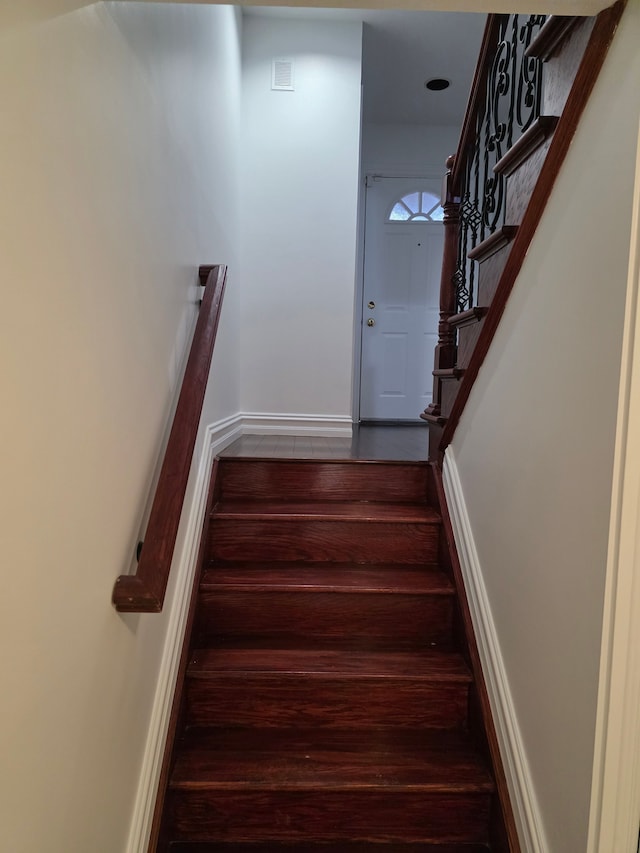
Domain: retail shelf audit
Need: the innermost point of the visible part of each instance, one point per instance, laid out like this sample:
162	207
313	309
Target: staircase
328	701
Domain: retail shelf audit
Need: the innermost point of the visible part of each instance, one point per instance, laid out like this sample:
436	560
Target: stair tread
423	664
238	759
324	847
325	577
326	511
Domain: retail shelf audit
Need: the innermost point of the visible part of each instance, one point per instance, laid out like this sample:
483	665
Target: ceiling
13	13
401	50
541	7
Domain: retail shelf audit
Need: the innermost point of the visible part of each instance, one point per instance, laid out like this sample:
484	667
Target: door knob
371	322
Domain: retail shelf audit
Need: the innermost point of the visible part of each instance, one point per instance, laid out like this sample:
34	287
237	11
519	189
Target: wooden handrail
144	591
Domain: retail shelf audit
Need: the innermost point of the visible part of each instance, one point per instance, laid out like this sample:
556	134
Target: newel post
445	351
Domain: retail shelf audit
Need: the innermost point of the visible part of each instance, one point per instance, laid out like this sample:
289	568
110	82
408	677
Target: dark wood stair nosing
467	318
434	420
328	847
554	30
500	238
524	147
448	373
426	666
363	579
349	511
322	462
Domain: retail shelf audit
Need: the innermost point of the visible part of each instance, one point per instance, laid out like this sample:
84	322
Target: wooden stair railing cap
144	591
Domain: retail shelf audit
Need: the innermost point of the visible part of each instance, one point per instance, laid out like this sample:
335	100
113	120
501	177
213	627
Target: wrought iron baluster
529	94
512	99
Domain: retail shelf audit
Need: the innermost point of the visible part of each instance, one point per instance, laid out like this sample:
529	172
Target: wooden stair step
327	480
325	605
239	759
335	689
425	665
361	532
326	577
319	541
309	787
323	847
383	815
530	141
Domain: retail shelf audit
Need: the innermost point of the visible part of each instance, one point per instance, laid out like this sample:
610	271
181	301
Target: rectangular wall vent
282	75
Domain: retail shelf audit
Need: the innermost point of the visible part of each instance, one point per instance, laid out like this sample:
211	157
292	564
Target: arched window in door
416	207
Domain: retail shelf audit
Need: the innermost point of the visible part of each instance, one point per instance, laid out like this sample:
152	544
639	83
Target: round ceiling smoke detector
437	84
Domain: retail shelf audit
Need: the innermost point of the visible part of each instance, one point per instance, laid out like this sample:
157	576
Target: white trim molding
615	794
525	807
266	423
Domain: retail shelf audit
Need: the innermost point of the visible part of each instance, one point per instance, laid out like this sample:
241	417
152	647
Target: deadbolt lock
371	305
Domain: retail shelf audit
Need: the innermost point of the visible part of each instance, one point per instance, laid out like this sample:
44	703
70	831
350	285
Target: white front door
401	296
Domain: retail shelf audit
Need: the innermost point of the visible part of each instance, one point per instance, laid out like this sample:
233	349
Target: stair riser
448	396
489	273
324	847
290	540
303	702
200	815
330	619
467	339
323	481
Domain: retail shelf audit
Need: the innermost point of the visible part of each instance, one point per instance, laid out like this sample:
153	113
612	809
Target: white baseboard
265	423
223	432
526	811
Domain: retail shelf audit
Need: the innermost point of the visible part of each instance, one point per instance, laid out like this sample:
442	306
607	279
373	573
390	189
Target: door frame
358	313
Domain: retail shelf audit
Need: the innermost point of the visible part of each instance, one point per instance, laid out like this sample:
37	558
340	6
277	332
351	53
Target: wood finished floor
397	443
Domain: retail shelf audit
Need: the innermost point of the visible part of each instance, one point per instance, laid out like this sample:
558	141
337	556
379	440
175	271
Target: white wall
118	169
298	216
407	148
535	448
